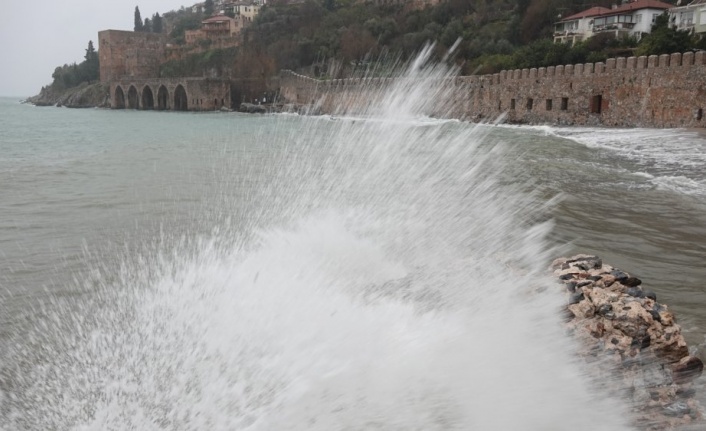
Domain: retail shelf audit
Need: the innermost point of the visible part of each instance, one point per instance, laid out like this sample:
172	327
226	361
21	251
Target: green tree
138	20
91	65
147	27
157	25
189	21
384	29
664	40
208	8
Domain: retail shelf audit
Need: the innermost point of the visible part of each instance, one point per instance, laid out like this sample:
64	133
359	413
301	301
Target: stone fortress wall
129	64
170	94
654	91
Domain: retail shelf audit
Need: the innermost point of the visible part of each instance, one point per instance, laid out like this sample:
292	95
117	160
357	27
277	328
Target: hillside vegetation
336	38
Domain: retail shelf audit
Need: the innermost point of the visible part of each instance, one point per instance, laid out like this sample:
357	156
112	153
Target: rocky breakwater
634	340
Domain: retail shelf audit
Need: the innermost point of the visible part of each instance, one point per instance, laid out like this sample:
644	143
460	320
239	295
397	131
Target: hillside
337	38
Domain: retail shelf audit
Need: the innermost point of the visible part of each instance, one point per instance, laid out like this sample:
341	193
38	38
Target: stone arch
162	98
147	100
119	99
181	101
132	100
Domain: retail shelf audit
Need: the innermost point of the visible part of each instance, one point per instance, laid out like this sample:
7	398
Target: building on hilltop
197	8
216	27
230	20
575	28
246	9
691	17
630	19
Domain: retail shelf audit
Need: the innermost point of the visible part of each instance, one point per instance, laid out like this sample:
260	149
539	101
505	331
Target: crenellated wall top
687	59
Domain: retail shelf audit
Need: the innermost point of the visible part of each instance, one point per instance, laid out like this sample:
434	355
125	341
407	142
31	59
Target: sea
379	271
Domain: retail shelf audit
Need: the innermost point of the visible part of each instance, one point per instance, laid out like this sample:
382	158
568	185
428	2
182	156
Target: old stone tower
128	54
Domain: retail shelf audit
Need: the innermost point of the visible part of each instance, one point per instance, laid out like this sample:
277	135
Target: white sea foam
681	184
675	158
399	290
661	147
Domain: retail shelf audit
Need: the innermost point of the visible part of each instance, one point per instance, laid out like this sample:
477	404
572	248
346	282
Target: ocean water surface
183	271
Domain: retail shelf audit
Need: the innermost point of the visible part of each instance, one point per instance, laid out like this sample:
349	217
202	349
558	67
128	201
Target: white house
691	17
630	19
248	10
576	28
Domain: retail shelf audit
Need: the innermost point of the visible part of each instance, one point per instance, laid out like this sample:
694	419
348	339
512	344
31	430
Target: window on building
638	17
512	104
530	103
564	103
596	102
549	104
654	17
686	18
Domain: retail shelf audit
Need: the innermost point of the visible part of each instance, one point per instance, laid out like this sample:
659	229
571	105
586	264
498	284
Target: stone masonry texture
654	91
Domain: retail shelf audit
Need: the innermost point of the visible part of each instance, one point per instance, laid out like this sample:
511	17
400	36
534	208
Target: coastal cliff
82	96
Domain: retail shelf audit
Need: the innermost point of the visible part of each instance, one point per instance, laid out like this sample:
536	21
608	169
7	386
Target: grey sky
37	36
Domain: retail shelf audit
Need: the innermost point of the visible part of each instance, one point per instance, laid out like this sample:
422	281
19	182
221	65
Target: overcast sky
37	36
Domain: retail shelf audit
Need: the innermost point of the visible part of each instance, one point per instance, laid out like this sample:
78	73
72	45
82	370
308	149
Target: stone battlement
656	91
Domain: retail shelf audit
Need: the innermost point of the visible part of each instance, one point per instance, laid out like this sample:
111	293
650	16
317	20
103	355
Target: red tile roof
635	5
594	11
642	4
217	18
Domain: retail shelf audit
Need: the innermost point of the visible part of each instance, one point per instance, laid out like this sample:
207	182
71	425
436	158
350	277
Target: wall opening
181	101
162	98
699	114
596	102
215	103
235	97
119	102
132	101
564	103
147	98
549	104
512	104
530	103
